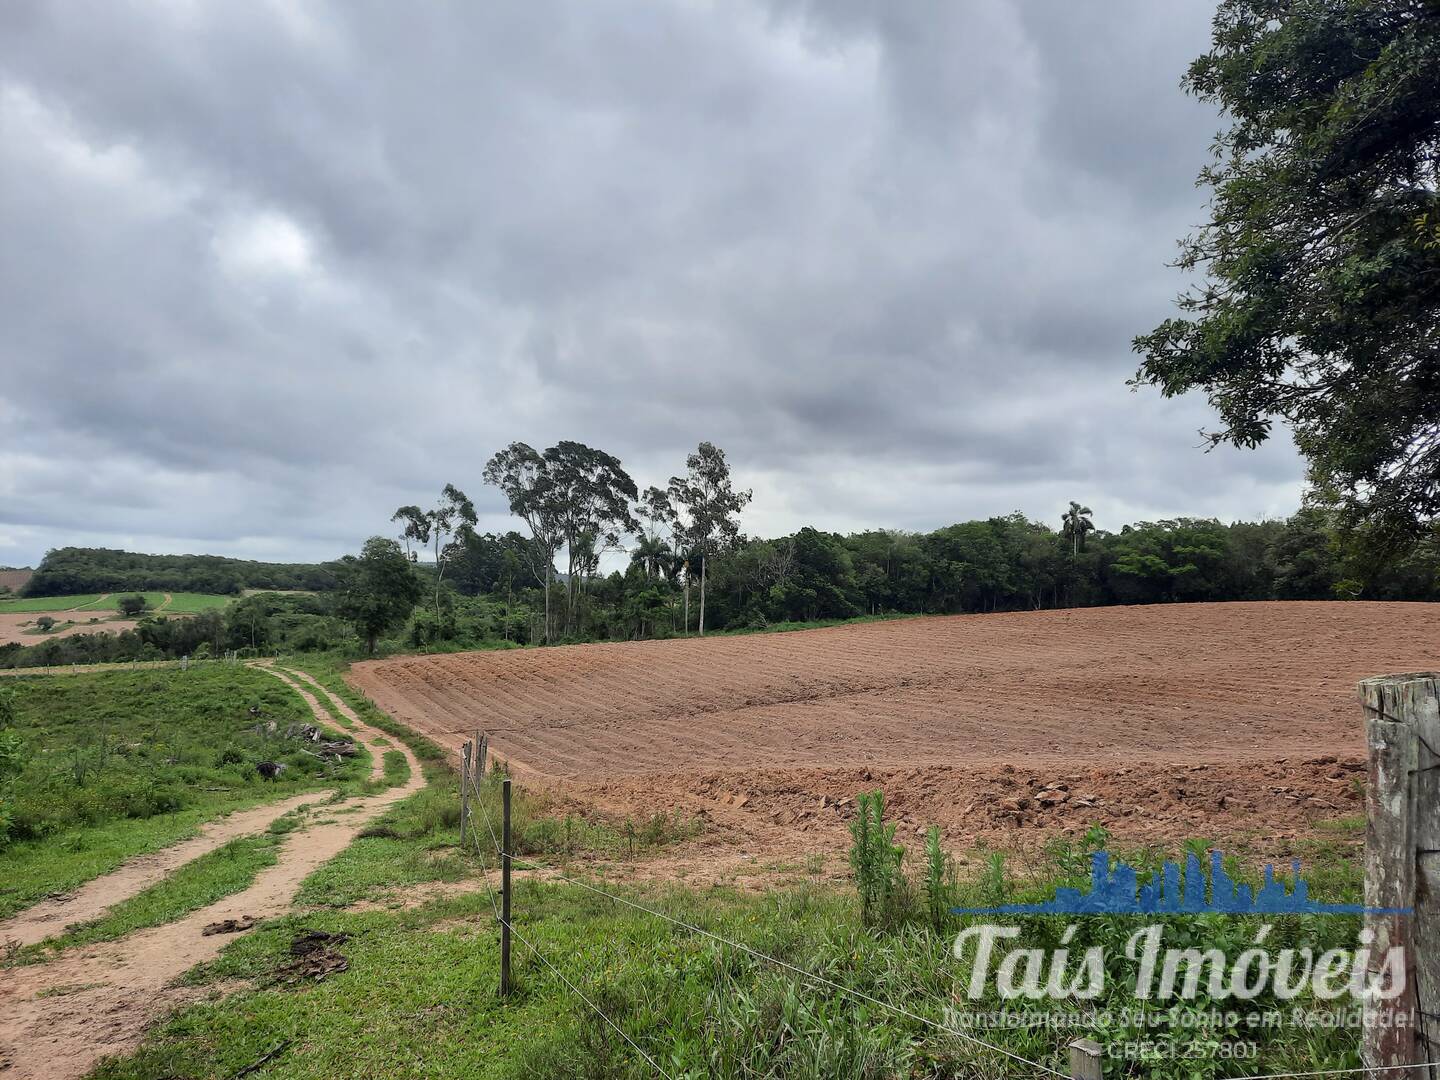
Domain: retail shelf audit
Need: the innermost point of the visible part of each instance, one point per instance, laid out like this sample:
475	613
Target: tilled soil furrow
1165	687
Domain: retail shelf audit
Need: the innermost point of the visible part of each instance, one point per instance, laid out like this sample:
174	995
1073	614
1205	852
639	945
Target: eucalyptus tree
415	528
655	518
591	495
437	528
710	504
523	474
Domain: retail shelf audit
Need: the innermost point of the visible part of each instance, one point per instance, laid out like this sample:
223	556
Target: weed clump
876	860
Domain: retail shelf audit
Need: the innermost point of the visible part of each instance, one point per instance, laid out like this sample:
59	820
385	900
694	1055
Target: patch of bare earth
15	580
17	627
58	1019
94	898
1159	722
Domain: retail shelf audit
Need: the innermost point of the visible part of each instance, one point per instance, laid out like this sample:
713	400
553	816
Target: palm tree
1076	524
650	553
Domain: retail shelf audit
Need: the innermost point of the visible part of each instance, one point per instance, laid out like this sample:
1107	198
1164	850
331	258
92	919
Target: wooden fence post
464	793
1402	841
1086	1062
505	890
484	753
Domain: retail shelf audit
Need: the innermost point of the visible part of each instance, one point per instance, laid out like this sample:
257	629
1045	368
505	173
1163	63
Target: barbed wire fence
1085	1055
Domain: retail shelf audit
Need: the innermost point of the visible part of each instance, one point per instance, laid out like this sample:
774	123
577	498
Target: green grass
217	874
420	998
420	995
42	604
812	624
397	768
187	603
329	671
181	603
123	762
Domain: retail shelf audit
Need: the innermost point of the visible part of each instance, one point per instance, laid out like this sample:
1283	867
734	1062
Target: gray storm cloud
271	269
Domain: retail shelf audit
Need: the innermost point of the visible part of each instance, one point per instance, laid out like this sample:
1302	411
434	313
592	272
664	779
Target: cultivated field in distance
92	613
1159	722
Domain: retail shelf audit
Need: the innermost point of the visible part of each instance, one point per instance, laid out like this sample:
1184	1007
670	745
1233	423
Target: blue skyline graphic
1116	890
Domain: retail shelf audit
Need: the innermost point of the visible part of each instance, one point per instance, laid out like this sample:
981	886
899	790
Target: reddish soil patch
15	626
1159	722
15	580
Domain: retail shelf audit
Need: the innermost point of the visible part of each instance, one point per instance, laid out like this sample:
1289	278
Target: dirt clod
316	958
230	926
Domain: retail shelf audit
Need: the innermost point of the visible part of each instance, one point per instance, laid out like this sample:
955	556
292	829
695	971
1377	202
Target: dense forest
1000	564
672	561
72	570
485	591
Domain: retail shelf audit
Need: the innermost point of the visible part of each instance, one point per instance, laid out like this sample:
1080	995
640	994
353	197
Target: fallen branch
262	1060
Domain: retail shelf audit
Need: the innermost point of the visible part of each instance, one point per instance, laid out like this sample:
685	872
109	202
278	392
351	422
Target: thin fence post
484	754
505	890
1086	1062
464	793
1402	840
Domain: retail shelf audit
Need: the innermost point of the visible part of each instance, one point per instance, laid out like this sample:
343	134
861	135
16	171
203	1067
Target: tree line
685	566
576	503
72	570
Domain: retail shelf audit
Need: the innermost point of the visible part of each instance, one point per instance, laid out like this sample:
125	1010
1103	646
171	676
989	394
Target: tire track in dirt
95	897
108	995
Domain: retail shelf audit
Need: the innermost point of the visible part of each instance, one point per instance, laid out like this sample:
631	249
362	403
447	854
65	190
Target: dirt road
59	1018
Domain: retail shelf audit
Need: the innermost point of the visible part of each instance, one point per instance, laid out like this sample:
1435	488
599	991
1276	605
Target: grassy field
113	764
42	604
189	603
420	993
181	603
419	996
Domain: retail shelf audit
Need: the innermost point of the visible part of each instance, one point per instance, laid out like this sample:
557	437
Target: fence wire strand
485	872
821	980
1339	1072
759	955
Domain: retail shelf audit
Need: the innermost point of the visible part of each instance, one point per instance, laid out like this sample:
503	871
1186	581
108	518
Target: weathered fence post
505	890
1085	1060
484	753
464	793
1402	841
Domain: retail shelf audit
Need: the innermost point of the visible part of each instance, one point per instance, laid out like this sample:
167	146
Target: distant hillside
72	570
14	578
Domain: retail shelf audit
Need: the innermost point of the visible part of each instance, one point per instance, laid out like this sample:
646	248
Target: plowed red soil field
1158	722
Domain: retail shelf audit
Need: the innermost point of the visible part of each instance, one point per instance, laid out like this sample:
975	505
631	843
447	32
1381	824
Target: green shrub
130	606
82	750
876	860
939	874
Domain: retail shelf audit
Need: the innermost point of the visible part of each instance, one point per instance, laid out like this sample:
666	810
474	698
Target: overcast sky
269	270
